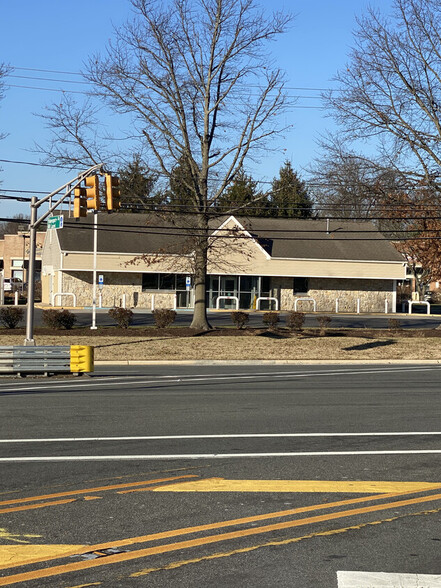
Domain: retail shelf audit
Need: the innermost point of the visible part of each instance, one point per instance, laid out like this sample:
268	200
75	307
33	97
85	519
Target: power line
189	232
170	233
296	106
48	89
78	73
28	191
40	79
72	73
309	183
38	164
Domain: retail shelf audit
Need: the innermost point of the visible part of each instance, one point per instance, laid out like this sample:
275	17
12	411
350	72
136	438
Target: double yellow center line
219	537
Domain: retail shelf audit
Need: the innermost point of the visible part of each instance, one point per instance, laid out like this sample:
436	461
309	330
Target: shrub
122	316
295	320
240	318
49	318
164	317
323	322
10	316
270	319
435	297
394	324
58	319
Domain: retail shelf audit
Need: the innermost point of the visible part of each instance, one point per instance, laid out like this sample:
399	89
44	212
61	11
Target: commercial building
146	261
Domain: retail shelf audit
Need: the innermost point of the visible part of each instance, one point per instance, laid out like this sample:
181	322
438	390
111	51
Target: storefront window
167	282
300	285
163	282
150	281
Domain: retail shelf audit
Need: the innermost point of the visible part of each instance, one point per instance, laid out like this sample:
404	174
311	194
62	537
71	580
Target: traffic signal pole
31	274
33	226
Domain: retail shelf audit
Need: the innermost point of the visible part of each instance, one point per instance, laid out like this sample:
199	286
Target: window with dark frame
300	285
150	282
163	282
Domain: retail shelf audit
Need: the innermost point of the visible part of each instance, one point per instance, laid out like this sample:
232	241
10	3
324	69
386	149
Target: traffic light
93	192
80	202
113	192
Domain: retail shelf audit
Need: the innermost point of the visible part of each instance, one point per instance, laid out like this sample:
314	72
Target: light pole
95	247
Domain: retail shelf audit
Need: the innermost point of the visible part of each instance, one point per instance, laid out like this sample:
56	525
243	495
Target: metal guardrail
45	359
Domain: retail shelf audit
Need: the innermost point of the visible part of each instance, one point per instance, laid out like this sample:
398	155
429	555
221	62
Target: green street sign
55	222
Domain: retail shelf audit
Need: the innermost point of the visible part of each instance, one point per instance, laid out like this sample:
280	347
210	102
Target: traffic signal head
113	192
93	192
80	202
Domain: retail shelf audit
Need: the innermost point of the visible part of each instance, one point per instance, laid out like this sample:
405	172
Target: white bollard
16	298
336	306
386	306
124	301
153	302
100	300
358	305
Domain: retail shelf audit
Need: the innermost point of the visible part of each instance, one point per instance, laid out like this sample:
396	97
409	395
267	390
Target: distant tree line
141	192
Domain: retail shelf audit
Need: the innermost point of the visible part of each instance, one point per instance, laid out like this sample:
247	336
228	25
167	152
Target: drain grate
101	553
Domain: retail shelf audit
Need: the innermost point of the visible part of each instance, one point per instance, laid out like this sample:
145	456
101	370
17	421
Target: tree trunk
200	320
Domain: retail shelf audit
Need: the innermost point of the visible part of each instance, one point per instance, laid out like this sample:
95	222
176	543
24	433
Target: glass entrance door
228	287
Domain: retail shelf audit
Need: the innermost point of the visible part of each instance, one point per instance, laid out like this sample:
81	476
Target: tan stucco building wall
16	248
368	286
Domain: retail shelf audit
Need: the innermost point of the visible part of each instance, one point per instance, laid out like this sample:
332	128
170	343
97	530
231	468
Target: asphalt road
221	319
222	476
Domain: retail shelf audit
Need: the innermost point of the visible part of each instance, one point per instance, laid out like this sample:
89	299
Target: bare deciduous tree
390	92
197	84
4	71
348	185
414	226
75	142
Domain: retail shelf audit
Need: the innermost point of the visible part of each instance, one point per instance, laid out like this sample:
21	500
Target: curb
245	362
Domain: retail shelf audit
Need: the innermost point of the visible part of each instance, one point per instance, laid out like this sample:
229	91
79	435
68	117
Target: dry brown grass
245	348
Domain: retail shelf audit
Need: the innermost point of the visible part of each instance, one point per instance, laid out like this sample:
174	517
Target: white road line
228	436
210	378
191	456
384	580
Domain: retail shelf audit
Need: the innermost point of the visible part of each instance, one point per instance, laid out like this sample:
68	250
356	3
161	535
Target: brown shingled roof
280	237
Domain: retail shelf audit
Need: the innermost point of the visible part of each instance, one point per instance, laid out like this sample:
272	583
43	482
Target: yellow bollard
81	358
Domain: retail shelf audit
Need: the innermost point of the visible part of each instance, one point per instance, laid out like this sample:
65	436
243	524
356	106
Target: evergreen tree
181	193
289	197
243	195
136	185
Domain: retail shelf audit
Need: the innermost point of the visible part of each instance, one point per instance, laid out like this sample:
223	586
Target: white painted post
100	300
386	306
336	306
16	298
95	249
175	303
124	300
358	305
153	302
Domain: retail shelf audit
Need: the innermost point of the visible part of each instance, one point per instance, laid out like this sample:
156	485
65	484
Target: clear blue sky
59	35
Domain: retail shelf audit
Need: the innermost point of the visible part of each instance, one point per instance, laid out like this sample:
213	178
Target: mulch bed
281	333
